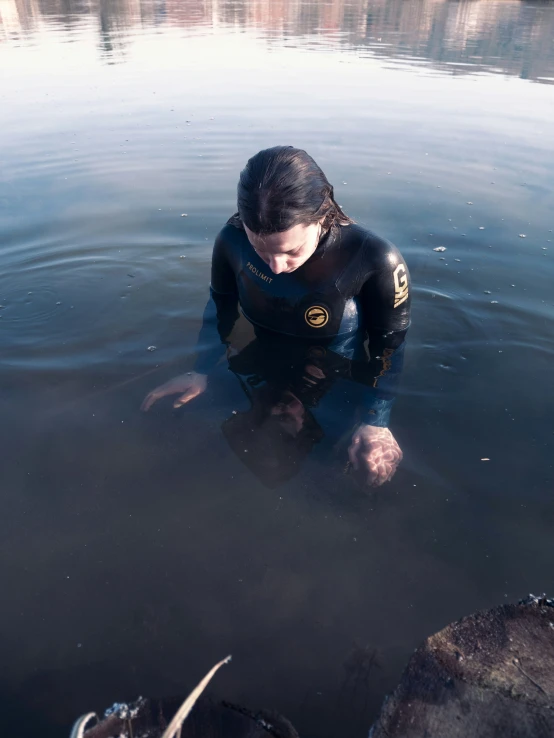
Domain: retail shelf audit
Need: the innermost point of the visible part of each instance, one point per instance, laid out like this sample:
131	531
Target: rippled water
136	549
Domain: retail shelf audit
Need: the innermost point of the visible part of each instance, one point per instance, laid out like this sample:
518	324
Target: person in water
299	266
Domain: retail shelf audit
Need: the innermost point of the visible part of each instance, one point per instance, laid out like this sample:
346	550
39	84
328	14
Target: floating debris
58	303
485	459
470	203
439	248
522	235
488	292
494	302
481	228
183	256
184	215
457	259
152	348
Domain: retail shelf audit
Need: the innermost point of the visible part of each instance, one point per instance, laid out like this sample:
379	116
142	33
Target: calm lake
136	549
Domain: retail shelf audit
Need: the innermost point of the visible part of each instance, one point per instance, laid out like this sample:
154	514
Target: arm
385	300
380	377
221	312
220	315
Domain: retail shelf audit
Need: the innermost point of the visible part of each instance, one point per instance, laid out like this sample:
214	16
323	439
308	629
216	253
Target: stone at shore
489	675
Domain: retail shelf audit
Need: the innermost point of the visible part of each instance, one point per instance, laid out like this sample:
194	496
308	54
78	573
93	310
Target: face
290	412
284	252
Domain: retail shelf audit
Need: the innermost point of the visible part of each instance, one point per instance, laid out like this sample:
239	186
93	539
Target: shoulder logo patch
400	285
317	316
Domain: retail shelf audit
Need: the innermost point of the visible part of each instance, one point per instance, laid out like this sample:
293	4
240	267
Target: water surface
137	549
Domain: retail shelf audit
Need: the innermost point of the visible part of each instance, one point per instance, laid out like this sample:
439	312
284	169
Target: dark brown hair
282	187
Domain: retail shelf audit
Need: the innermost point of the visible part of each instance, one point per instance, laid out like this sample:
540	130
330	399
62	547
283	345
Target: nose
277	264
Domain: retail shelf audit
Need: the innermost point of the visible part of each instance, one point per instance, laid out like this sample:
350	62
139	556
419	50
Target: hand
376	451
188	385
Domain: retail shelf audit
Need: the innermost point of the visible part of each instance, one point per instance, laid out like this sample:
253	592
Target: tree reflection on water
508	37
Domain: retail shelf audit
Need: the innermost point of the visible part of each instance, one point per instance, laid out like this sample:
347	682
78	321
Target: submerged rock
488	675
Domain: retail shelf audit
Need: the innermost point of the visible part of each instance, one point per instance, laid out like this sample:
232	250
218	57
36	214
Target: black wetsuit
356	285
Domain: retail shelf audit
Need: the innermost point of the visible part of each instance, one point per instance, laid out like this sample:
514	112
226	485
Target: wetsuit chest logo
316	316
259	274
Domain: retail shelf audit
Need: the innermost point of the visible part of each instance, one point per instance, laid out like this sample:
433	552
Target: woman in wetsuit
298	266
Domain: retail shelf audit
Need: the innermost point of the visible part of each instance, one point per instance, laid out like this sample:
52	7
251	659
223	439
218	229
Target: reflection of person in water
275	434
298	266
285	381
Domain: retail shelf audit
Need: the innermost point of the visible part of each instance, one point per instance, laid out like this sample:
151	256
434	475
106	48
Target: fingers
377	475
189	395
376	452
379	460
353	452
372	479
169	388
149	400
391	473
385	471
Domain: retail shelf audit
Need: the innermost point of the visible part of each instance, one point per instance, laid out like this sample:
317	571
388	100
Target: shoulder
229	238
376	247
377	253
235	221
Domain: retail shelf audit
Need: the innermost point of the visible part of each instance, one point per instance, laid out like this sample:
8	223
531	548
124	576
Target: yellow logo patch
400	285
317	316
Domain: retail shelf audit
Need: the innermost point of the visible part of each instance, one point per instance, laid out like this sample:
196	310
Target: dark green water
136	550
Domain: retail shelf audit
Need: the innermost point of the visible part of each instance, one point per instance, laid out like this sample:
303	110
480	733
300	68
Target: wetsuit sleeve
380	377
385	300
223	280
221	312
385	296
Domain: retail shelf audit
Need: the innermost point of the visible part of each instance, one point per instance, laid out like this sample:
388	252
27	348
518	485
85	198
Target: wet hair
282	187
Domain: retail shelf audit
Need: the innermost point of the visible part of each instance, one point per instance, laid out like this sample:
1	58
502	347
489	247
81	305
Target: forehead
279	243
